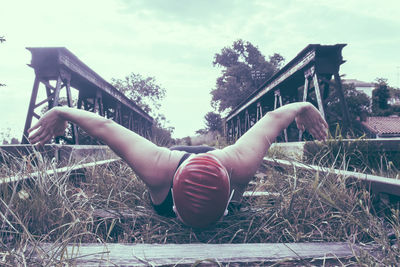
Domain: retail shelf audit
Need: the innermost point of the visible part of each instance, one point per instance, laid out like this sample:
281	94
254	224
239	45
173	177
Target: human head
201	190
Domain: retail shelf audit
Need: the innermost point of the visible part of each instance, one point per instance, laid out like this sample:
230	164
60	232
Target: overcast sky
175	41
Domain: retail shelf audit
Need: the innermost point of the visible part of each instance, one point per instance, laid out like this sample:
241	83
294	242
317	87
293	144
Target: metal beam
46	58
311	62
95	94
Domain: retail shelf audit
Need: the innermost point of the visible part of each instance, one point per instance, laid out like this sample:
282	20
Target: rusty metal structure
95	94
307	77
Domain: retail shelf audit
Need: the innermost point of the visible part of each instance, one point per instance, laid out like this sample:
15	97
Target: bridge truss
307	77
59	66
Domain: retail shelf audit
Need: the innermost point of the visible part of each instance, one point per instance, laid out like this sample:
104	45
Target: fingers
45	139
319	131
40	136
323	122
41	140
301	127
317	127
34	127
35	134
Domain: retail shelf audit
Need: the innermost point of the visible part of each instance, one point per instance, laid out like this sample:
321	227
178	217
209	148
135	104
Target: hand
310	119
51	124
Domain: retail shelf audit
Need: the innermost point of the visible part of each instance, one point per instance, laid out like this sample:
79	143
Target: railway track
67	169
249	253
377	184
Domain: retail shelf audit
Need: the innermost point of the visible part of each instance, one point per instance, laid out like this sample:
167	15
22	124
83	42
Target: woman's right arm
245	156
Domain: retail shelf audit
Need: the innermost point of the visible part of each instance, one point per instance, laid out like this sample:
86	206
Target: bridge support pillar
278	101
52	100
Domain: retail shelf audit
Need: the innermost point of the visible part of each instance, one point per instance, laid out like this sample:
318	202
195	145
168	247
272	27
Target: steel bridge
59	66
307	77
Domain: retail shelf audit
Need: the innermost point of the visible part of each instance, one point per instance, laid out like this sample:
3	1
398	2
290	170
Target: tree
244	70
358	104
14	141
213	122
6	138
380	97
147	94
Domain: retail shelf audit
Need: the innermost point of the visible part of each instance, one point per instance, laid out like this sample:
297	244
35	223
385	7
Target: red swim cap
201	190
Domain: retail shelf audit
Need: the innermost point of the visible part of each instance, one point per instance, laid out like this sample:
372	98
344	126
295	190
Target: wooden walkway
184	254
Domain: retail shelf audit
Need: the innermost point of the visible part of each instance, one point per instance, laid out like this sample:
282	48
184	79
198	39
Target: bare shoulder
227	159
164	169
174	156
240	165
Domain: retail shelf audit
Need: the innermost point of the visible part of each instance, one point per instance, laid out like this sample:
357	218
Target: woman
196	187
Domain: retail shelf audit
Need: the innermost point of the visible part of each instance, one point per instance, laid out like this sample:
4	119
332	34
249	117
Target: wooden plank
378	183
179	254
24	176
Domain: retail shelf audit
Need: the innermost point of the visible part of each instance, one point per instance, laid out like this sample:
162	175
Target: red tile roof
383	126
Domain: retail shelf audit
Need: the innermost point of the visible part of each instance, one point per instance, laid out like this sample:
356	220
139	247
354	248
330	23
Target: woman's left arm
154	164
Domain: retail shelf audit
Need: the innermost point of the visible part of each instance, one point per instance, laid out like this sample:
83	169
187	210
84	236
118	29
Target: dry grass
62	209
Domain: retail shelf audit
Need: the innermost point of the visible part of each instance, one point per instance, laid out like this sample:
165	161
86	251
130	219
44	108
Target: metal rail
313	67
378	184
75	167
95	94
67	158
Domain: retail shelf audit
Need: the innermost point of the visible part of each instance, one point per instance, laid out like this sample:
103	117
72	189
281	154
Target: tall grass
65	209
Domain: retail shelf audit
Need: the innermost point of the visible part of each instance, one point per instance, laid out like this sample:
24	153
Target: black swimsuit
165	208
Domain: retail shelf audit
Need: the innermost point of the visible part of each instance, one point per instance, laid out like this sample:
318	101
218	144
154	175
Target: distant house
382	127
367	89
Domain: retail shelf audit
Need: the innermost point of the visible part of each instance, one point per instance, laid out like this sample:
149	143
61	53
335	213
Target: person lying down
195	184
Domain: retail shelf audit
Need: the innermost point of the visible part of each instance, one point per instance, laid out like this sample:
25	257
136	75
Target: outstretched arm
152	163
244	157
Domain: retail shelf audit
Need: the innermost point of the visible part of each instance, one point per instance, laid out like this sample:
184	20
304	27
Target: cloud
175	41
191	12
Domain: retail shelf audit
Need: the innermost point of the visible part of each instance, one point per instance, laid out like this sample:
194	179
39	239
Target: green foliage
360	155
358	104
380	99
162	136
380	96
112	205
147	94
212	134
213	139
213	122
6	138
201	131
244	70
